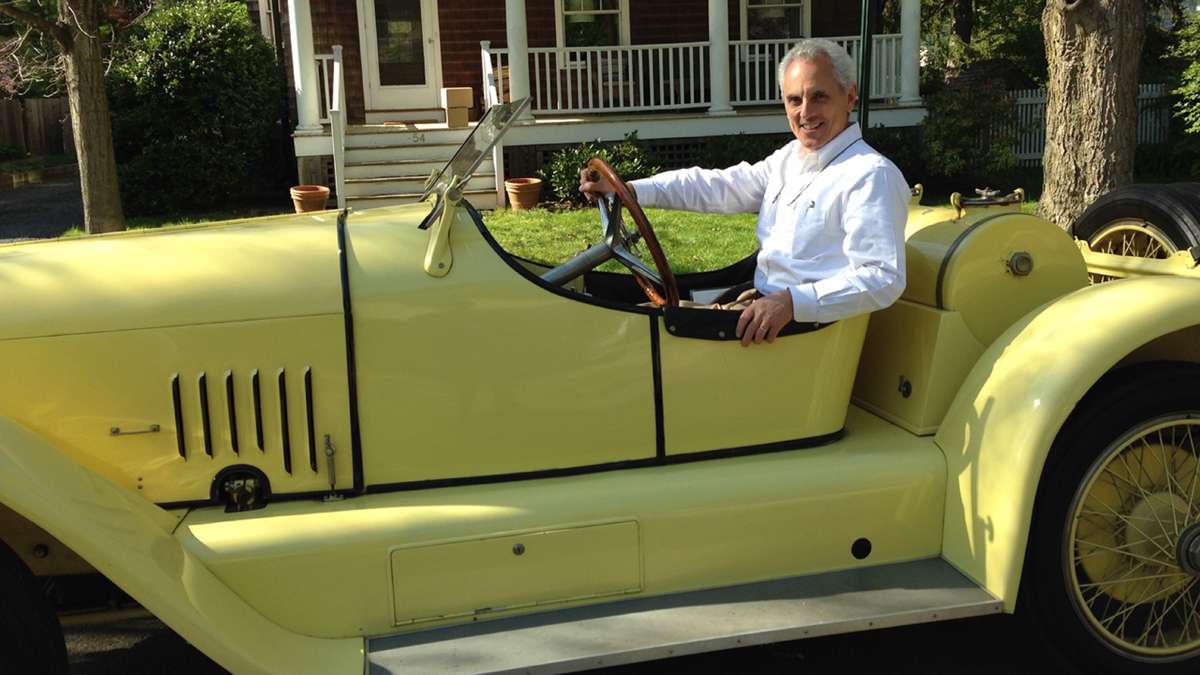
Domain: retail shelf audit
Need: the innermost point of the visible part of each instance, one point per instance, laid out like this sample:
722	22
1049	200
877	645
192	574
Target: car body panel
256	269
327	569
1001	425
718	394
130	540
528	368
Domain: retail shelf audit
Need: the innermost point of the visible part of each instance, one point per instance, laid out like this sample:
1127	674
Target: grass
693	242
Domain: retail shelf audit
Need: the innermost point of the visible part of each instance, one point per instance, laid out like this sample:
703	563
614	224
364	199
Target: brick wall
335	22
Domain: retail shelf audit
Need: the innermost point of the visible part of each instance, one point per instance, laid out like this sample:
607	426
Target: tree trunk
1093	48
91	125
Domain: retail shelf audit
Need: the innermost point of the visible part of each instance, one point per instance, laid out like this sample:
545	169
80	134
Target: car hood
241	271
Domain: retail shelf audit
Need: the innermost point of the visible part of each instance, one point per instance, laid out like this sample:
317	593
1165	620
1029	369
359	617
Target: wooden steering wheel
618	239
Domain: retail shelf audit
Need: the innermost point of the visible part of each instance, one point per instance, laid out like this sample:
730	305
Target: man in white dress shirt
831	210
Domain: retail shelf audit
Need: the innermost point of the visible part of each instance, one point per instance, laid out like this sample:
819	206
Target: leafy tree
50	43
1188	50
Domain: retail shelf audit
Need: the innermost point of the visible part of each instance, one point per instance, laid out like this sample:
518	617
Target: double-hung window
775	19
591	23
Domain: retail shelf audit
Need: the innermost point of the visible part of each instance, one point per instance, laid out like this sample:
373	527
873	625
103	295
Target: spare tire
1147	221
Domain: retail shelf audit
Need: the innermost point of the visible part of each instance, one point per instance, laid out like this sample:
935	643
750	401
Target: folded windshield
483	138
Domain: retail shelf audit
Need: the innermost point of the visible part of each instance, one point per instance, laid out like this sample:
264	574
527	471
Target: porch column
304	66
518	48
718	56
910	45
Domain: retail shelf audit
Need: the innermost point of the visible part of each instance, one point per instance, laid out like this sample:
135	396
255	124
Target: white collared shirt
830	222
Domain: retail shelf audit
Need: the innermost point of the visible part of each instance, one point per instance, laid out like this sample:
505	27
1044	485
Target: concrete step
380	135
406	114
480	199
404	167
402	151
644	629
390	185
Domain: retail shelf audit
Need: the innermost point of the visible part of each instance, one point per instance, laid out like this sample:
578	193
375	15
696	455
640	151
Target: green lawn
693	242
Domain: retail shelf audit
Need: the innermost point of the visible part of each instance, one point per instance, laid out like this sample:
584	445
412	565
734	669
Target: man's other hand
593	185
762	320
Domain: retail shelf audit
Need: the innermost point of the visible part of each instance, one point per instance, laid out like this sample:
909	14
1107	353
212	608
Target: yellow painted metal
1001	424
76	388
438	256
483	371
1114	266
480	576
913	362
130	541
718	394
247	270
324	569
964	266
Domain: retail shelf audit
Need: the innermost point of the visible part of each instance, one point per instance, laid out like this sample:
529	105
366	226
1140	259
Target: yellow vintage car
378	442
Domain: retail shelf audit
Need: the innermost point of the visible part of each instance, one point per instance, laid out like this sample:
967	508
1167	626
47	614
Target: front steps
389	164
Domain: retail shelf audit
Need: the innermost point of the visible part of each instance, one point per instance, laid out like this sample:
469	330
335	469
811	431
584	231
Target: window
592	23
774	19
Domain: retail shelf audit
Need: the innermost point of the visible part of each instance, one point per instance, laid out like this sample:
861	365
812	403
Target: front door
401	53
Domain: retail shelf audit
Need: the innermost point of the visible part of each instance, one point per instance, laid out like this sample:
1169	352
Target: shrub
9	151
1188	49
194	101
719	152
628	158
970	132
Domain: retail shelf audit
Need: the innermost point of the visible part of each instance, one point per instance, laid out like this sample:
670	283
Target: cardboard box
456	118
457	97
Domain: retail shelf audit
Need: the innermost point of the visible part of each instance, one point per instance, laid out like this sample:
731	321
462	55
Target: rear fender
130	541
1005	417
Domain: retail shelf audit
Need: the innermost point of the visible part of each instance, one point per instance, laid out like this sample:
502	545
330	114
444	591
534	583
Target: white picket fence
1153	125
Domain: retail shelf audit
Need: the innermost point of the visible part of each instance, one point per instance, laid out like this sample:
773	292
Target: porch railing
754	78
337	126
325	85
664	76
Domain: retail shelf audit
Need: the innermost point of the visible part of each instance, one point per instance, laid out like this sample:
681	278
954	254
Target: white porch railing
492	94
754	76
324	84
664	76
1153	122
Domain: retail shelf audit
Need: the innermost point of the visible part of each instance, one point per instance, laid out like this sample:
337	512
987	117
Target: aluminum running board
643	629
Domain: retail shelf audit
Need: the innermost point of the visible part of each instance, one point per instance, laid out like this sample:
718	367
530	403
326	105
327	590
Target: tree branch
60	34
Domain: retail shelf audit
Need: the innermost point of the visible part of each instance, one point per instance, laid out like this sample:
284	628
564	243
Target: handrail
323	86
491	96
337	126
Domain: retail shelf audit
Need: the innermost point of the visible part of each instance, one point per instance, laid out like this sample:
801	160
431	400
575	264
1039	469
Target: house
676	71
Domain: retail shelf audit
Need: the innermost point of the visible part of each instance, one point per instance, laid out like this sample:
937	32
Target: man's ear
853	94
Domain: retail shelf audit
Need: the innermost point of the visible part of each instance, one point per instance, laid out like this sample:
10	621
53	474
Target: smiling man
831	210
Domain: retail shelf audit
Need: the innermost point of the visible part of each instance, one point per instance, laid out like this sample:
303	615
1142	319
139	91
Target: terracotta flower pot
310	198
523	193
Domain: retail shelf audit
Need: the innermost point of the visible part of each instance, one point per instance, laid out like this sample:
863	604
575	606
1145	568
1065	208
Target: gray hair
809	49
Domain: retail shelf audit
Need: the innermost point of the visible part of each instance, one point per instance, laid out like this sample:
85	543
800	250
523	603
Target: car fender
1005	417
130	541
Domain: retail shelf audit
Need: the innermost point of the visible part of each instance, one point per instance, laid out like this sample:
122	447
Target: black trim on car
308	417
724	453
351	367
720	324
176	400
231	410
205	422
256	391
962	236
660	439
290	497
283	422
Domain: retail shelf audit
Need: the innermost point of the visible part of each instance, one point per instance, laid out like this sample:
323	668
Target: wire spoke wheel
1130	237
1130	555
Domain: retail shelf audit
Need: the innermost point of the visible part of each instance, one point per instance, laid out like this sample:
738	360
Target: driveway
41	210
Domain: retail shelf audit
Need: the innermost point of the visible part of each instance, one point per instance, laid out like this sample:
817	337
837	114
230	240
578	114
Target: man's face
817	106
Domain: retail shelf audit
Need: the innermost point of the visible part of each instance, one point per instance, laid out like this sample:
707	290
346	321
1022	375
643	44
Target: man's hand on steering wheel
594	186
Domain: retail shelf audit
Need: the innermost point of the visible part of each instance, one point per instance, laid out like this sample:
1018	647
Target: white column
910	45
304	66
518	48
718	56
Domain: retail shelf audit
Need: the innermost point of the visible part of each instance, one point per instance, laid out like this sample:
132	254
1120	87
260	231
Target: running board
643	629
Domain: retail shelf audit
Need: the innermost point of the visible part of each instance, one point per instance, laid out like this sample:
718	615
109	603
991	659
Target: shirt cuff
645	191
804	303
